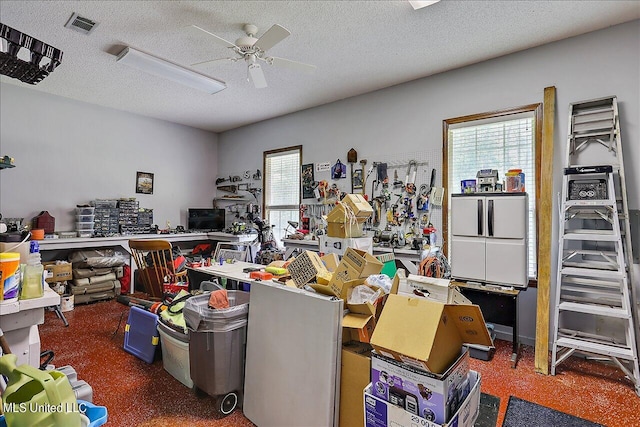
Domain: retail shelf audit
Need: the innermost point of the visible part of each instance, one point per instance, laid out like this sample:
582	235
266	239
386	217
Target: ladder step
590	203
592	235
600	310
591	252
597	348
590	282
590	272
597	265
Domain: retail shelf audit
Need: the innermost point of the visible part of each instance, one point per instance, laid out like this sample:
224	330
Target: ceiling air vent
81	24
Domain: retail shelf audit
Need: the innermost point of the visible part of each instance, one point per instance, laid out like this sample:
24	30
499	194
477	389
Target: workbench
409	258
52	249
499	304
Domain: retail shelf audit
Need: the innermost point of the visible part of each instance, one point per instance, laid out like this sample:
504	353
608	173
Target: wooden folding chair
154	261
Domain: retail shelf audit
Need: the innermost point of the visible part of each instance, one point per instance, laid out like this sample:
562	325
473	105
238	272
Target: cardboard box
358	327
305	267
58	272
362	262
379	413
331	262
427	334
344	230
359	206
354	377
431	396
338	245
430	287
353	269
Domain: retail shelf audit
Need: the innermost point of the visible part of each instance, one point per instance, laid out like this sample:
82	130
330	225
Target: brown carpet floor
140	394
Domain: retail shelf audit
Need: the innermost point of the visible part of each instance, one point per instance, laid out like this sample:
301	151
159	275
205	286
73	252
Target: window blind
282	190
502	145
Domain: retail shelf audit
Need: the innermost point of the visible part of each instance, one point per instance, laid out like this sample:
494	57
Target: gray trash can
217	341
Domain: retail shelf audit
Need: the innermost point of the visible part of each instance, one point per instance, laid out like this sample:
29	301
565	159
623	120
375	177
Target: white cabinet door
506	261
507	217
468	258
467	216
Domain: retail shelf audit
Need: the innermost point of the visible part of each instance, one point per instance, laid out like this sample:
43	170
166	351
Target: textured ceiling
357	46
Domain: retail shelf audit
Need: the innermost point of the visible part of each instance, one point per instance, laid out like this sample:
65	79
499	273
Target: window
502	140
282	188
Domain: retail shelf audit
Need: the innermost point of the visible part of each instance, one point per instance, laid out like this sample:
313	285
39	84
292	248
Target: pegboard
396	163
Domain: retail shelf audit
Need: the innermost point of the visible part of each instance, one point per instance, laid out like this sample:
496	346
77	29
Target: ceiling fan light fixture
168	70
416	4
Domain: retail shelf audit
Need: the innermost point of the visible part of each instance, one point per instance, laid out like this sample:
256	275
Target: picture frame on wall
144	183
307	181
356	179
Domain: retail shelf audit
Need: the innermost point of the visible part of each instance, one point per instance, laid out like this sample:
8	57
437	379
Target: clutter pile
95	274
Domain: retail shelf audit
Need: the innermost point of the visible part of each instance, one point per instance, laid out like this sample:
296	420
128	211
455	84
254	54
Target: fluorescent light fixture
168	70
420	4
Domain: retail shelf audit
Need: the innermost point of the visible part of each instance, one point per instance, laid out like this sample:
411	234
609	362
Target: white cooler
175	353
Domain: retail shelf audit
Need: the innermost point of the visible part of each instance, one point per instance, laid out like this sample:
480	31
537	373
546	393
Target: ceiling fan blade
212	60
294	65
218	39
272	37
257	76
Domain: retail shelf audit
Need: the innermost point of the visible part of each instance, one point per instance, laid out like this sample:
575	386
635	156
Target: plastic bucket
66	303
9	280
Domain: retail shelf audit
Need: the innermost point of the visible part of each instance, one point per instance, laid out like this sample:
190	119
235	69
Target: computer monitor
205	219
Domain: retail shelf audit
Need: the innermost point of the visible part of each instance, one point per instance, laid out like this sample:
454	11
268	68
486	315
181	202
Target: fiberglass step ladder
594	283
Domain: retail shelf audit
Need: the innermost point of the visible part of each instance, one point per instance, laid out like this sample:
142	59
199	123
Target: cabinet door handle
480	218
490	218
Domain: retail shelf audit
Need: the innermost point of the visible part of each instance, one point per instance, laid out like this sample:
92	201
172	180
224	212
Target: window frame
536	109
265	155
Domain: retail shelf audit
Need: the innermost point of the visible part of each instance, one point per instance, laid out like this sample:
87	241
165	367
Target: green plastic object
37	398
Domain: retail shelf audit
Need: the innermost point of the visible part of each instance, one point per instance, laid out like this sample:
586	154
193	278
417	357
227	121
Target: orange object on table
37	234
261	275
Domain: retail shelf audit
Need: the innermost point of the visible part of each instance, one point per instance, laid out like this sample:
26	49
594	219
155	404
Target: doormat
524	413
489	406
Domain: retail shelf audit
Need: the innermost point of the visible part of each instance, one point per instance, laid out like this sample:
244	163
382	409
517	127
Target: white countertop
14	305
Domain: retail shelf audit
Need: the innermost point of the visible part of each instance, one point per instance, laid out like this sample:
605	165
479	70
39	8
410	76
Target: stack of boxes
84	221
128	216
347	218
106	217
419	366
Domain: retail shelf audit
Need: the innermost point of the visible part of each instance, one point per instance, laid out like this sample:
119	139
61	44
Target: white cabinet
489	238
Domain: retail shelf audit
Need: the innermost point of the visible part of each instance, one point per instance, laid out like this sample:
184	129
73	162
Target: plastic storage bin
175	353
85	210
217	341
141	334
84	226
84	218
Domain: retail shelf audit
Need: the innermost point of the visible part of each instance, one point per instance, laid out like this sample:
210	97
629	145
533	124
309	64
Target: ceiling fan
254	50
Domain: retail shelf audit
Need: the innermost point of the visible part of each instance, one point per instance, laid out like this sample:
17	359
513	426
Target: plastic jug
9	274
37	398
32	284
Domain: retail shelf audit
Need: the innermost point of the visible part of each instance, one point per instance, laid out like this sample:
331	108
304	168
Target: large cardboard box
433	288
58	272
305	267
344	230
431	396
427	334
339	245
379	413
354	377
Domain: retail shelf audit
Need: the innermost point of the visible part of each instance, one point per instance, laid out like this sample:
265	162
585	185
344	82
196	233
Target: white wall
408	117
68	152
